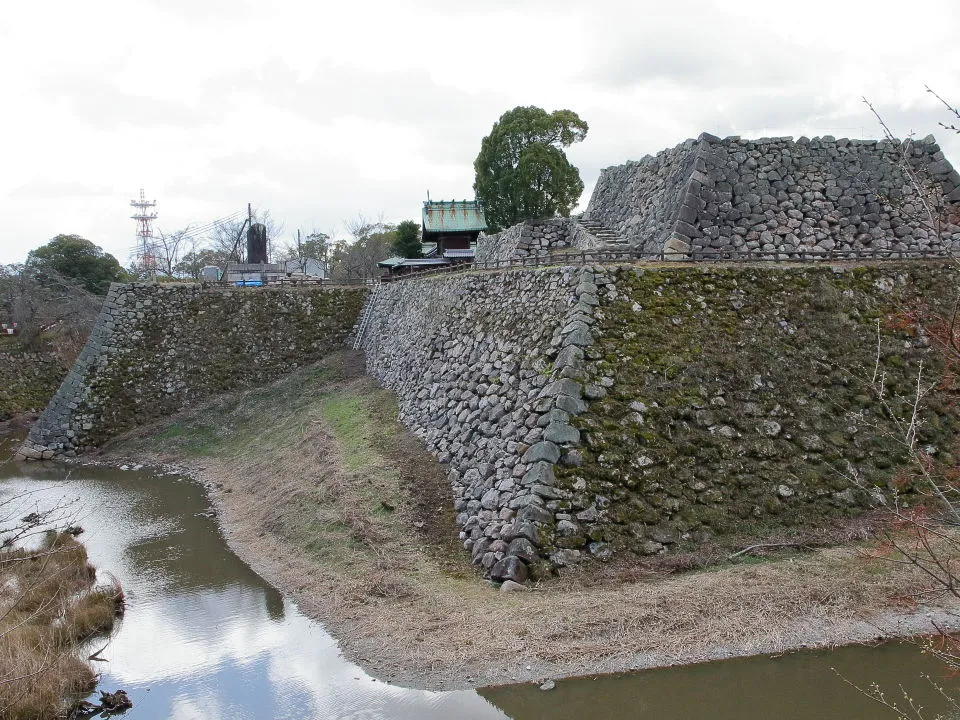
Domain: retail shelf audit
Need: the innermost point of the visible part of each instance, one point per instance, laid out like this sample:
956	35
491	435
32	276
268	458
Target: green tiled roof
428	250
453	216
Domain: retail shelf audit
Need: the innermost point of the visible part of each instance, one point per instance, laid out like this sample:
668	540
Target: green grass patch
243	423
350	419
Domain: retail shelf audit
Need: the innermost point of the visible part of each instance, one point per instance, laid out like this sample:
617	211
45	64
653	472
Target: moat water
205	637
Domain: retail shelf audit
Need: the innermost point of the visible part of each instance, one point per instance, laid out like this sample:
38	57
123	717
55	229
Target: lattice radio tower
144	214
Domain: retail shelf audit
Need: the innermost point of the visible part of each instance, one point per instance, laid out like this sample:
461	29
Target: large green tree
75	257
522	172
407	243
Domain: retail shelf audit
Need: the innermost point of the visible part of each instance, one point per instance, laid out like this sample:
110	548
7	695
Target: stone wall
595	410
498	247
484	367
583	411
535	238
642	199
780	195
157	348
728	400
28	379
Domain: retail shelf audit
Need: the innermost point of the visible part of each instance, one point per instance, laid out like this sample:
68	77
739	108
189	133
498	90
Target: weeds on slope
319	461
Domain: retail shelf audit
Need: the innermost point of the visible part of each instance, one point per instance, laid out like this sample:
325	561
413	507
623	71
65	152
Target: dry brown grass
345	511
49	606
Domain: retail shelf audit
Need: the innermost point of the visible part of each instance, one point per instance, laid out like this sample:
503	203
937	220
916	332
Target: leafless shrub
357	259
42	302
50	604
950	109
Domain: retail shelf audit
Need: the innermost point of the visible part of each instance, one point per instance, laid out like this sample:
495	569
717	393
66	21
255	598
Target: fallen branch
110	704
767	546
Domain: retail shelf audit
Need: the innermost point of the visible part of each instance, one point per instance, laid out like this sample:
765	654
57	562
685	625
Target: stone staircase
612	239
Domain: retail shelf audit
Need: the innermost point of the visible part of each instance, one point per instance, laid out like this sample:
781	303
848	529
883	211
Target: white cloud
201	643
321	110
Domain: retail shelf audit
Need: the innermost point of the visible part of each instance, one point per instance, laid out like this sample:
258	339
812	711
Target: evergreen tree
75	257
522	172
407	242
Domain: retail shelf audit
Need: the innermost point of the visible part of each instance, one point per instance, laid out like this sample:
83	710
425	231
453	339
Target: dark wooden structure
450	231
453	225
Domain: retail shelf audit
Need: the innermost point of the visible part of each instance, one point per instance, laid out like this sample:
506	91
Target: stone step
611	238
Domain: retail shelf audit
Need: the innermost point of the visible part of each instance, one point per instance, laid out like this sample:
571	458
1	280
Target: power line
148	244
207	227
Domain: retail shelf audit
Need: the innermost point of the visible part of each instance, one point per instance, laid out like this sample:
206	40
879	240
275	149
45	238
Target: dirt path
334	503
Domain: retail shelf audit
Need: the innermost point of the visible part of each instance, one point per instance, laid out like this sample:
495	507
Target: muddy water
205	637
799	686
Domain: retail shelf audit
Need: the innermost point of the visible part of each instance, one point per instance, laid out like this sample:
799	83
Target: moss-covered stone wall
28	380
736	399
648	409
157	348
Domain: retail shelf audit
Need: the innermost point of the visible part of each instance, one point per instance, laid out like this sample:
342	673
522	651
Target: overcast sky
319	111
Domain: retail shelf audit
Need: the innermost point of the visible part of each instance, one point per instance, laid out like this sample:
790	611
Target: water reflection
205	637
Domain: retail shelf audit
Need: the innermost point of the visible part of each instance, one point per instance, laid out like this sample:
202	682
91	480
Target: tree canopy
76	257
314	247
192	263
522	172
357	259
407	242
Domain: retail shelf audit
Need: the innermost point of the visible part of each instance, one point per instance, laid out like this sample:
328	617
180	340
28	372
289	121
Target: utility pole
303	263
237	253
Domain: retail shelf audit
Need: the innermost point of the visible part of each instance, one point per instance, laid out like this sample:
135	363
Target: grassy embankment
319	462
330	499
50	606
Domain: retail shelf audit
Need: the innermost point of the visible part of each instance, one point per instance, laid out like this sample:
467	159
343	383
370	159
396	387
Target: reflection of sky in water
203	636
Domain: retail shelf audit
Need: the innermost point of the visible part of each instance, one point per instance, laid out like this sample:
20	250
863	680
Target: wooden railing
607	256
621	255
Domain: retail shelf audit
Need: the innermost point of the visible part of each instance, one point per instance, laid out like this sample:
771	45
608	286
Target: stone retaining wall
592	410
157	348
534	238
498	247
641	199
28	380
738	401
485	370
780	195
